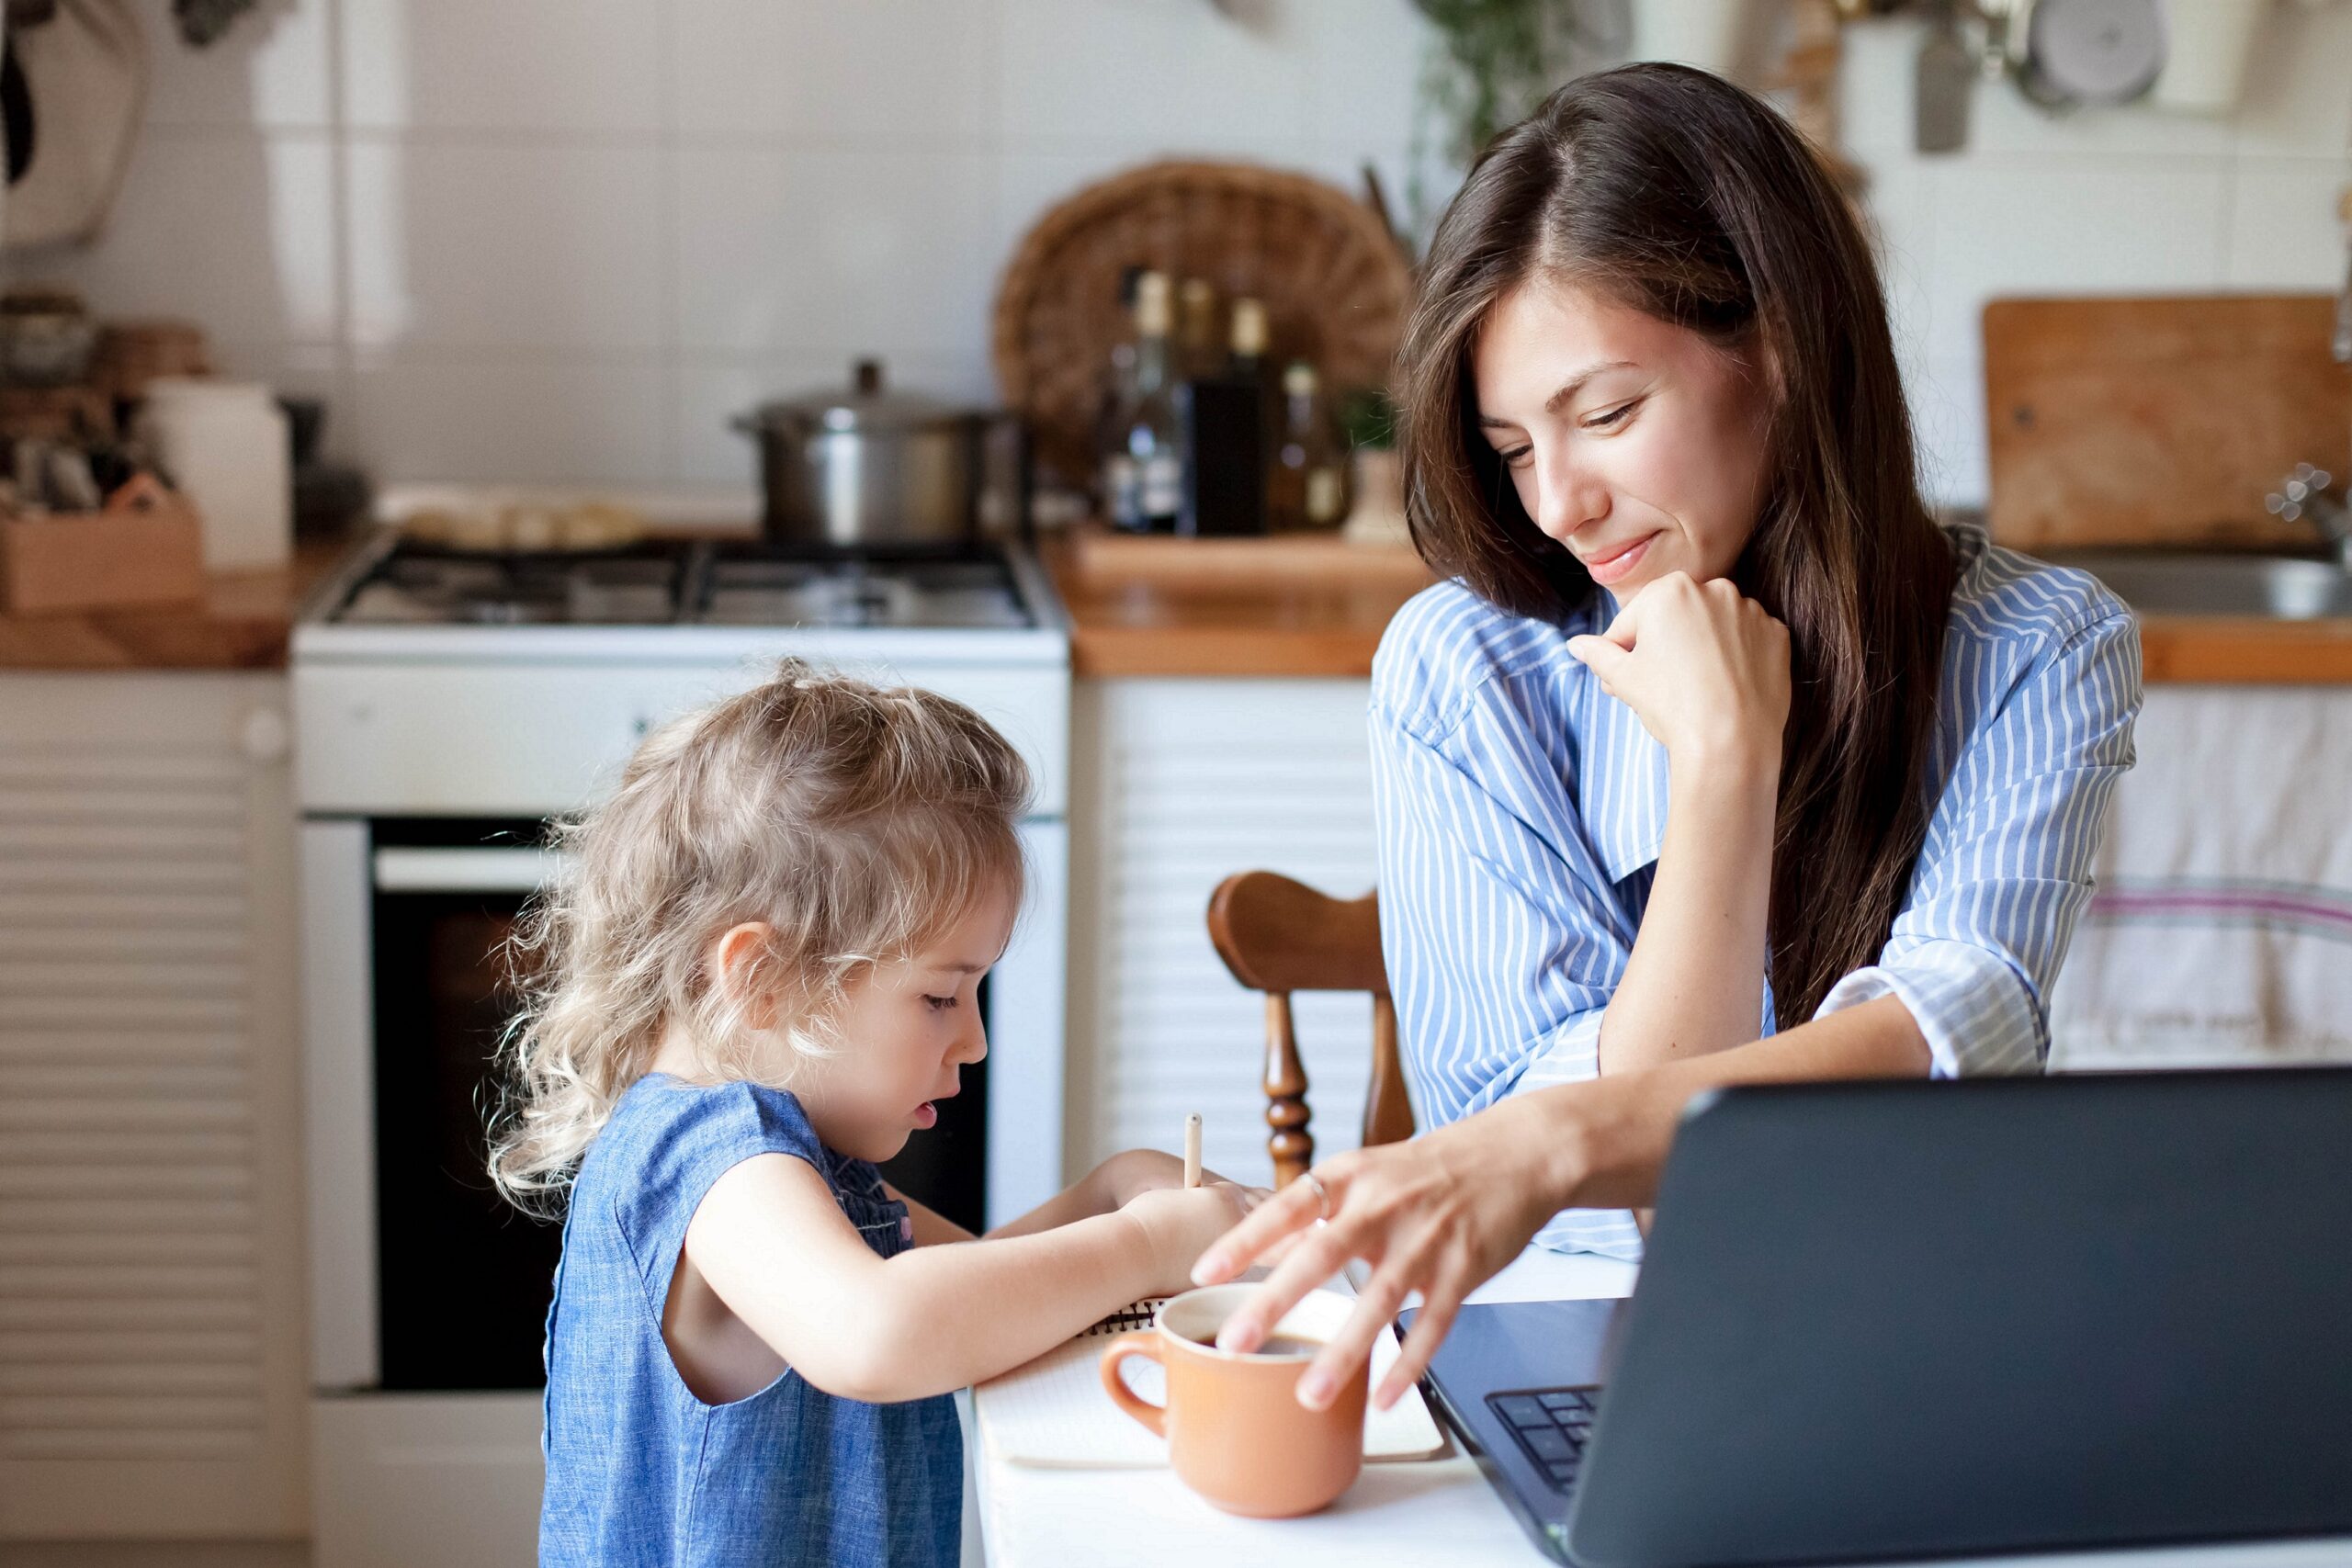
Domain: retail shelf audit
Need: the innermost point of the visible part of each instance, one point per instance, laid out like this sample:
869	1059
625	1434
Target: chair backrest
1277	936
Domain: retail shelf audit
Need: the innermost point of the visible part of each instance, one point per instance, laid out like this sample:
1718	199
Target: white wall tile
2069	224
1363	60
840	253
540	420
269	69
876	74
1031	184
504	65
1874	85
1176	74
1899	206
576	234
298	370
2298	84
480	245
2283	230
231	229
1947	420
1413	208
2003	119
711	392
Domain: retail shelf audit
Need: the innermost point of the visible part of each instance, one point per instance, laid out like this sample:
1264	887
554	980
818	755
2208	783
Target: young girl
759	976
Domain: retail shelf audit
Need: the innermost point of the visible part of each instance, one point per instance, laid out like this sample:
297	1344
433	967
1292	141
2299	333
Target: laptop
1894	1320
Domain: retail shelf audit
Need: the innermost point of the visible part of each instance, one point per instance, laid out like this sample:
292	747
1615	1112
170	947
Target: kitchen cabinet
150	1261
1176	785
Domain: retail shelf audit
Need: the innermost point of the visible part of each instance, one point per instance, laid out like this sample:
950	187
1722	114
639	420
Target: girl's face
1636	443
906	1030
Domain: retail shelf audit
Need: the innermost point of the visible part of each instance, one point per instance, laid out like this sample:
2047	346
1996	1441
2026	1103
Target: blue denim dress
641	1473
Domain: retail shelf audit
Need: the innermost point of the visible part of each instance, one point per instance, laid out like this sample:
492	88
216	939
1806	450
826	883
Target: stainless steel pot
868	465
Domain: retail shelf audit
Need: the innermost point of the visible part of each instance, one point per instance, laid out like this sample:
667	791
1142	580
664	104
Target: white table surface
1436	1511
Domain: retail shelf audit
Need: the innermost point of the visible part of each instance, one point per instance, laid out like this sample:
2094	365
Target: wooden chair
1279	936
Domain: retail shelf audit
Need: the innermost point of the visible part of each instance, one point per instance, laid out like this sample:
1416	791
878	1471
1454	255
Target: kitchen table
1439	1511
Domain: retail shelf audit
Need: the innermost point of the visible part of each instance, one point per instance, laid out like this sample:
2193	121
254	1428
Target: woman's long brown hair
1679	195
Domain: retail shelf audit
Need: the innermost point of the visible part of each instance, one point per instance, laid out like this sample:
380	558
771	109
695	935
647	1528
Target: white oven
428	762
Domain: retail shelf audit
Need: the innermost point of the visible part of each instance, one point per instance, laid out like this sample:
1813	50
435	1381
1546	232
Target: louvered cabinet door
150	1317
1176	786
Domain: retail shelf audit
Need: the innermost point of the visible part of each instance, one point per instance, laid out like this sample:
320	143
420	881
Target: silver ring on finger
1322	1196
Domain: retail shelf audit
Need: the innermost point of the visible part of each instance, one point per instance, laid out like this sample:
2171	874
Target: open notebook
1054	1414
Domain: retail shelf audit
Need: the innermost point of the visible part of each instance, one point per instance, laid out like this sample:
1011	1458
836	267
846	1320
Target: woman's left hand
1705	668
1440	1214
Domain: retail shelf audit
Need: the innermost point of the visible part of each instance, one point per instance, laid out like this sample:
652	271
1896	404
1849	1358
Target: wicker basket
1334	282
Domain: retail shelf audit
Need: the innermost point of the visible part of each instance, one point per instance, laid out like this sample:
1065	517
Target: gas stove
734	582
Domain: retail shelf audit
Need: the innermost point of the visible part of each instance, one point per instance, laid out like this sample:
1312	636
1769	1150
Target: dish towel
2221	931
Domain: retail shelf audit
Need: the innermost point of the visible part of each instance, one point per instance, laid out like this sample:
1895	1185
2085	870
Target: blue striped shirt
1520	810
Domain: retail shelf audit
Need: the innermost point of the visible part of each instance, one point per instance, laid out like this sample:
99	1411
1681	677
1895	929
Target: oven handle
414	869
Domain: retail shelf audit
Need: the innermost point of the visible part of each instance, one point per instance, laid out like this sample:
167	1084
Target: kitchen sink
2157	582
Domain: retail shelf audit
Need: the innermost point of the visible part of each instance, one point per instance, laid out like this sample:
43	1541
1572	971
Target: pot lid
866	404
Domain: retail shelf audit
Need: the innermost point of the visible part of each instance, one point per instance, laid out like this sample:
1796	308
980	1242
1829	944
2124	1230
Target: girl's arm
774	1247
1707	672
1110	1185
932	1227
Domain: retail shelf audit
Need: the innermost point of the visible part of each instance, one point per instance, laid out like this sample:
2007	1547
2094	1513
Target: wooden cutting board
2159	420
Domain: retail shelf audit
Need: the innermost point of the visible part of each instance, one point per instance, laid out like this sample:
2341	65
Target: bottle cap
1249	327
1152	313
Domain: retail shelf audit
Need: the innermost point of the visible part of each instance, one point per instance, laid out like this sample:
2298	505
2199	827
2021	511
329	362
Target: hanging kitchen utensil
1944	76
85	85
2091	52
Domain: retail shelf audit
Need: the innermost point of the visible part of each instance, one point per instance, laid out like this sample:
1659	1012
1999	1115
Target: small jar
223	445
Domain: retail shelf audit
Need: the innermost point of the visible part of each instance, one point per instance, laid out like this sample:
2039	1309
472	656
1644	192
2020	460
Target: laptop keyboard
1551	1425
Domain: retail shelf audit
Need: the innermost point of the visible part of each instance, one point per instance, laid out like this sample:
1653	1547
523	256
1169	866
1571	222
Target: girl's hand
1439	1214
1179	1224
1126	1175
1704	669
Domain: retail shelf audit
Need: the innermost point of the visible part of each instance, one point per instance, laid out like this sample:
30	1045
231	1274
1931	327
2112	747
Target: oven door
423	1278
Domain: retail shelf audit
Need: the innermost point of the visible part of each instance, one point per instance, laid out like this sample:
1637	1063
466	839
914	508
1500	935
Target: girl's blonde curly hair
858	822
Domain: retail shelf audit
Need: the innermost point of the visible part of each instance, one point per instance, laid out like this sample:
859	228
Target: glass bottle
1309	489
1147	478
1118	390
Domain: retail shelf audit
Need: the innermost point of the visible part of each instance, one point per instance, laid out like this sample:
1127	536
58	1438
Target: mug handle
1145	1343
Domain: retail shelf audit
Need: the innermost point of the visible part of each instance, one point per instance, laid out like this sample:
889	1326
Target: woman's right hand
1180	1223
1438	1213
1705	668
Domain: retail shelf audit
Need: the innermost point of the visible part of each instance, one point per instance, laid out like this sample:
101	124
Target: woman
1715	761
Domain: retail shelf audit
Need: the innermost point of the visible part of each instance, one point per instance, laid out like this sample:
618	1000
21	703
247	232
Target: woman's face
1636	443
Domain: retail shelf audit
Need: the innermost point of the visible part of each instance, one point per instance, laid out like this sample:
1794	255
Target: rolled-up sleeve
2005	867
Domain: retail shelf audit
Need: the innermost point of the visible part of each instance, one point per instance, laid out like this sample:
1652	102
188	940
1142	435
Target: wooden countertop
1290	605
242	623
1296	607
1316	607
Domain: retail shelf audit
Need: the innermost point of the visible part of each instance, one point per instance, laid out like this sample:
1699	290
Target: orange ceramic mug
1235	1432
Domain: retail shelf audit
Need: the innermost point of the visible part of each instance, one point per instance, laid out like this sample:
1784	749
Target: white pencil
1193	1149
